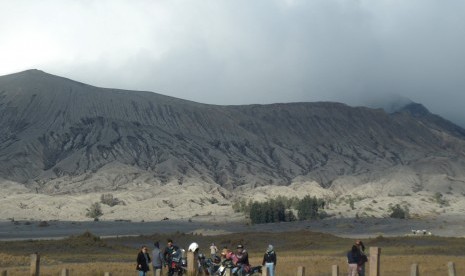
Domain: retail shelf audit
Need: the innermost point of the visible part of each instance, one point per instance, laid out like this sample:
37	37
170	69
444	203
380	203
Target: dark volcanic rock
54	127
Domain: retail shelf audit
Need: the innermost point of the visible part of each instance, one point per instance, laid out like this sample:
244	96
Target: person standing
143	260
242	260
269	260
157	259
168	256
213	250
363	258
353	258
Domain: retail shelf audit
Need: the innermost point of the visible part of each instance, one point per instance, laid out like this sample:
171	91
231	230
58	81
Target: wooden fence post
4	273
414	270
375	253
301	271
65	272
227	272
35	264
107	274
451	267
191	263
335	271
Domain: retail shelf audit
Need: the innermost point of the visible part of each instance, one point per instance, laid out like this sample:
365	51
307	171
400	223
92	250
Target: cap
240	246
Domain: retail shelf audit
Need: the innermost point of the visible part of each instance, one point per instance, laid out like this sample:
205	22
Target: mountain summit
63	136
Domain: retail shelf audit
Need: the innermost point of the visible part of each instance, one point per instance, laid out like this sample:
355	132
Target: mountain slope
57	134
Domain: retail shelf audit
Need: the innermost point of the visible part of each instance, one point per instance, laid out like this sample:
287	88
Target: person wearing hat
269	260
242	260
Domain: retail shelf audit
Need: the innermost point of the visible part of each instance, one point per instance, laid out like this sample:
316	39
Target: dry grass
81	269
314	266
390	265
88	255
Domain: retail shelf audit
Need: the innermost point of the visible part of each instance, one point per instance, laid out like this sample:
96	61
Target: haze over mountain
63	137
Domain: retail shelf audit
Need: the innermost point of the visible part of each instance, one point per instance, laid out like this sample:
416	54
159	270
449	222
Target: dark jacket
353	257
269	257
168	254
243	258
143	261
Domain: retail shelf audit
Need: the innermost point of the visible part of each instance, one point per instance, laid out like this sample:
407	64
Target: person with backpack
269	260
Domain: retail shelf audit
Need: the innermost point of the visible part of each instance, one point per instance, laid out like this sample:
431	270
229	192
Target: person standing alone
213	250
269	260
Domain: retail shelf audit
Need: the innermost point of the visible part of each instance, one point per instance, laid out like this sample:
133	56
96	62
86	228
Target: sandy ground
207	209
173	201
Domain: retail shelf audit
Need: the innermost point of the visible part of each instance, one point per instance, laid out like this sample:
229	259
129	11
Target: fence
375	258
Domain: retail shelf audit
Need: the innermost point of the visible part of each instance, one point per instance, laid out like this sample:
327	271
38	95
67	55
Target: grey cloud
241	52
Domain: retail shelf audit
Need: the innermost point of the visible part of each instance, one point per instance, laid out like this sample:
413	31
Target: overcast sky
239	52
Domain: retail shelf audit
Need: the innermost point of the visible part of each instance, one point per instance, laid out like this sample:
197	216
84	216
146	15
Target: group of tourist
240	258
356	258
158	260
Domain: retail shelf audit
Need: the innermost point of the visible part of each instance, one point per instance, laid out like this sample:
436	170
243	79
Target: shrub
109	200
398	212
43	224
440	199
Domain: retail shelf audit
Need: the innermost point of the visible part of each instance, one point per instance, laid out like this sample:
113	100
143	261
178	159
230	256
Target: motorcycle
236	270
208	266
179	262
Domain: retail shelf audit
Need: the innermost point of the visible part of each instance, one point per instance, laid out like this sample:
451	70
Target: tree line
282	209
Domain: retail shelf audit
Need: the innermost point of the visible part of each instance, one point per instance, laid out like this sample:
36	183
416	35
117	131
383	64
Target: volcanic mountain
59	136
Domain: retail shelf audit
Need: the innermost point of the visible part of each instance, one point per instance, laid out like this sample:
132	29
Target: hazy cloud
239	52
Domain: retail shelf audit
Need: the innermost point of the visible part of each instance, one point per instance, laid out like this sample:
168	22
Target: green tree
307	208
257	213
289	216
267	212
95	211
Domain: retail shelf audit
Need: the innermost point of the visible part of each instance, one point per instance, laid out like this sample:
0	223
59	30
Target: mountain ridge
55	127
64	143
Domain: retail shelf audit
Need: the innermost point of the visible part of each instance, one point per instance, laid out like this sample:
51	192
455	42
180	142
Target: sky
359	52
